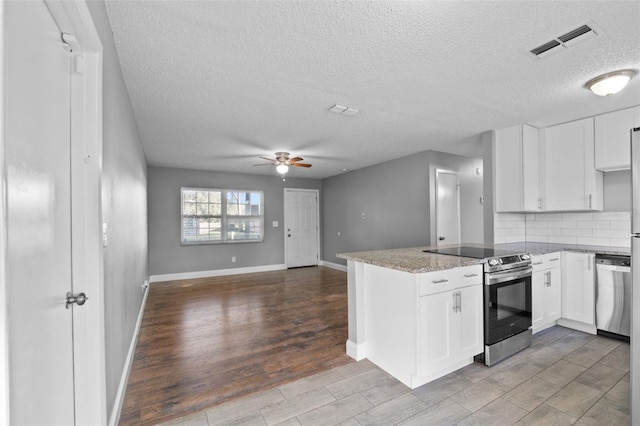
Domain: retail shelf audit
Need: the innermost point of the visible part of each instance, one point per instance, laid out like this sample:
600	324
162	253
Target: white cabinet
578	291
613	136
450	329
416	326
517	165
571	181
546	291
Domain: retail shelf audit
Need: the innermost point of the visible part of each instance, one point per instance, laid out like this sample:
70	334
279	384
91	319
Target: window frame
224	216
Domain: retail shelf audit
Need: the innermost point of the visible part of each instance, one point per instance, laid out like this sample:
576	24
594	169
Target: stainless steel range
507	306
507	300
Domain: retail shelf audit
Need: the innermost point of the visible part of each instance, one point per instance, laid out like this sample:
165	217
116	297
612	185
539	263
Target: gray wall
395	199
617	191
124	209
167	255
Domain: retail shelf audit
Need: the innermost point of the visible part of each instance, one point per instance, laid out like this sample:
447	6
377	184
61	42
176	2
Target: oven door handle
501	277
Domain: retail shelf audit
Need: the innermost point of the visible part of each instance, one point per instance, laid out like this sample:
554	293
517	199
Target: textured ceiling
215	84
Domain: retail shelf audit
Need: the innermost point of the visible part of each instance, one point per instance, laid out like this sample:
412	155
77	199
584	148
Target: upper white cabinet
517	165
613	136
571	180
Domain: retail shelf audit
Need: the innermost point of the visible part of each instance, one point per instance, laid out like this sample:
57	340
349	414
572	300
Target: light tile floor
565	377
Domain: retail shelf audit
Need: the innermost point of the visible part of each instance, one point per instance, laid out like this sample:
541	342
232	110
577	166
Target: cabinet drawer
545	261
469	275
448	279
436	282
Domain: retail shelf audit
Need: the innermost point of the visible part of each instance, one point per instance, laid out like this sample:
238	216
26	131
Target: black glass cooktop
474	252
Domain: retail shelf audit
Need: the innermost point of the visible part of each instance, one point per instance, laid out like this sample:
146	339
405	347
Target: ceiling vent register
584	32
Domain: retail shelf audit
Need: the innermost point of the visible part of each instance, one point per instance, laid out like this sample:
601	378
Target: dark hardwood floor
207	341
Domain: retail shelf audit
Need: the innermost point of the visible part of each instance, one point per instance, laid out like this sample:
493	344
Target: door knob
80	299
441	238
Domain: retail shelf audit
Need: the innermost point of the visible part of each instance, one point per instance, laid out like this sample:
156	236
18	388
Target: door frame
438	173
73	18
284	227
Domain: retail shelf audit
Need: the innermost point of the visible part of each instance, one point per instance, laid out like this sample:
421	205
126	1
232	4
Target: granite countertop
544	248
412	260
415	261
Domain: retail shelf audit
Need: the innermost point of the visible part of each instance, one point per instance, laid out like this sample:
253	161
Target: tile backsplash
598	228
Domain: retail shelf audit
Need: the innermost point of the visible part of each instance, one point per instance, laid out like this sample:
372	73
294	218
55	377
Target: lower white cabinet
420	326
578	291
546	291
450	328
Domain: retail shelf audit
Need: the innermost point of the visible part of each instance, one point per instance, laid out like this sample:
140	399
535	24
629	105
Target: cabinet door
470	319
537	299
577	285
553	295
531	198
435	331
566	151
613	136
517	164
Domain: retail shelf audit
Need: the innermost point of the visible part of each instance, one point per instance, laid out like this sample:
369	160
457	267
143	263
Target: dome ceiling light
610	83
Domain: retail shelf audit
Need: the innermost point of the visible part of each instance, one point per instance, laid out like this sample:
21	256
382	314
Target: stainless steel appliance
635	276
507	299
507	306
613	296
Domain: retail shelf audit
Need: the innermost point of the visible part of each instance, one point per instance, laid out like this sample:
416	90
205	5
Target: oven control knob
493	262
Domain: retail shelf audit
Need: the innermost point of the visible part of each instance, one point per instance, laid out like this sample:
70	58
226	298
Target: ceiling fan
282	162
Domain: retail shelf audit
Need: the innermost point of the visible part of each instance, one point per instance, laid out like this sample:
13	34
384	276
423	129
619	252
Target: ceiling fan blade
296	159
263	164
271	160
301	165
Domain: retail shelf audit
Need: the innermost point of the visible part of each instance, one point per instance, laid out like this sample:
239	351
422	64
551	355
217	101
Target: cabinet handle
470	275
555	259
537	263
589	200
540	203
547	279
444	280
459	301
455	302
588	262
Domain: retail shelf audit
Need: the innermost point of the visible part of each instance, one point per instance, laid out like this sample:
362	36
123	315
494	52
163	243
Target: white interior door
447	208
38	211
301	227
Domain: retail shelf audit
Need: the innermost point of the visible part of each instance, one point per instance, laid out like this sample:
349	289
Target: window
221	216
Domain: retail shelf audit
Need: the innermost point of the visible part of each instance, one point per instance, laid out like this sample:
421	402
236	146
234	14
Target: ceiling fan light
282	168
610	83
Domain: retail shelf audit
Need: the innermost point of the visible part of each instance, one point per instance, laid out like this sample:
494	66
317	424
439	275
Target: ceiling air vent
575	33
537	51
578	35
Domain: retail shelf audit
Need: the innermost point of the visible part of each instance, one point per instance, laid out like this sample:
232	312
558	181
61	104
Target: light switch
275	223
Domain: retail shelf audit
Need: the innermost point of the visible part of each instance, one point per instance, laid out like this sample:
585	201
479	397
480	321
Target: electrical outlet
233	259
145	286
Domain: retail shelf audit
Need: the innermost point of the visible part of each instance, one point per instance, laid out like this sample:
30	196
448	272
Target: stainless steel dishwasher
613	296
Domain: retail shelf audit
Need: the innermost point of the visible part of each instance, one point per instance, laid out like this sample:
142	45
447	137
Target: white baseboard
576	325
215	273
332	265
114	419
356	351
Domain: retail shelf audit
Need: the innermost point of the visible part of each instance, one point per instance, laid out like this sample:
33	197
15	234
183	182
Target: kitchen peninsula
419	315
416	315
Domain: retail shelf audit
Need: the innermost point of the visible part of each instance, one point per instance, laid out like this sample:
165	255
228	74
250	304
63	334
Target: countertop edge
405	260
